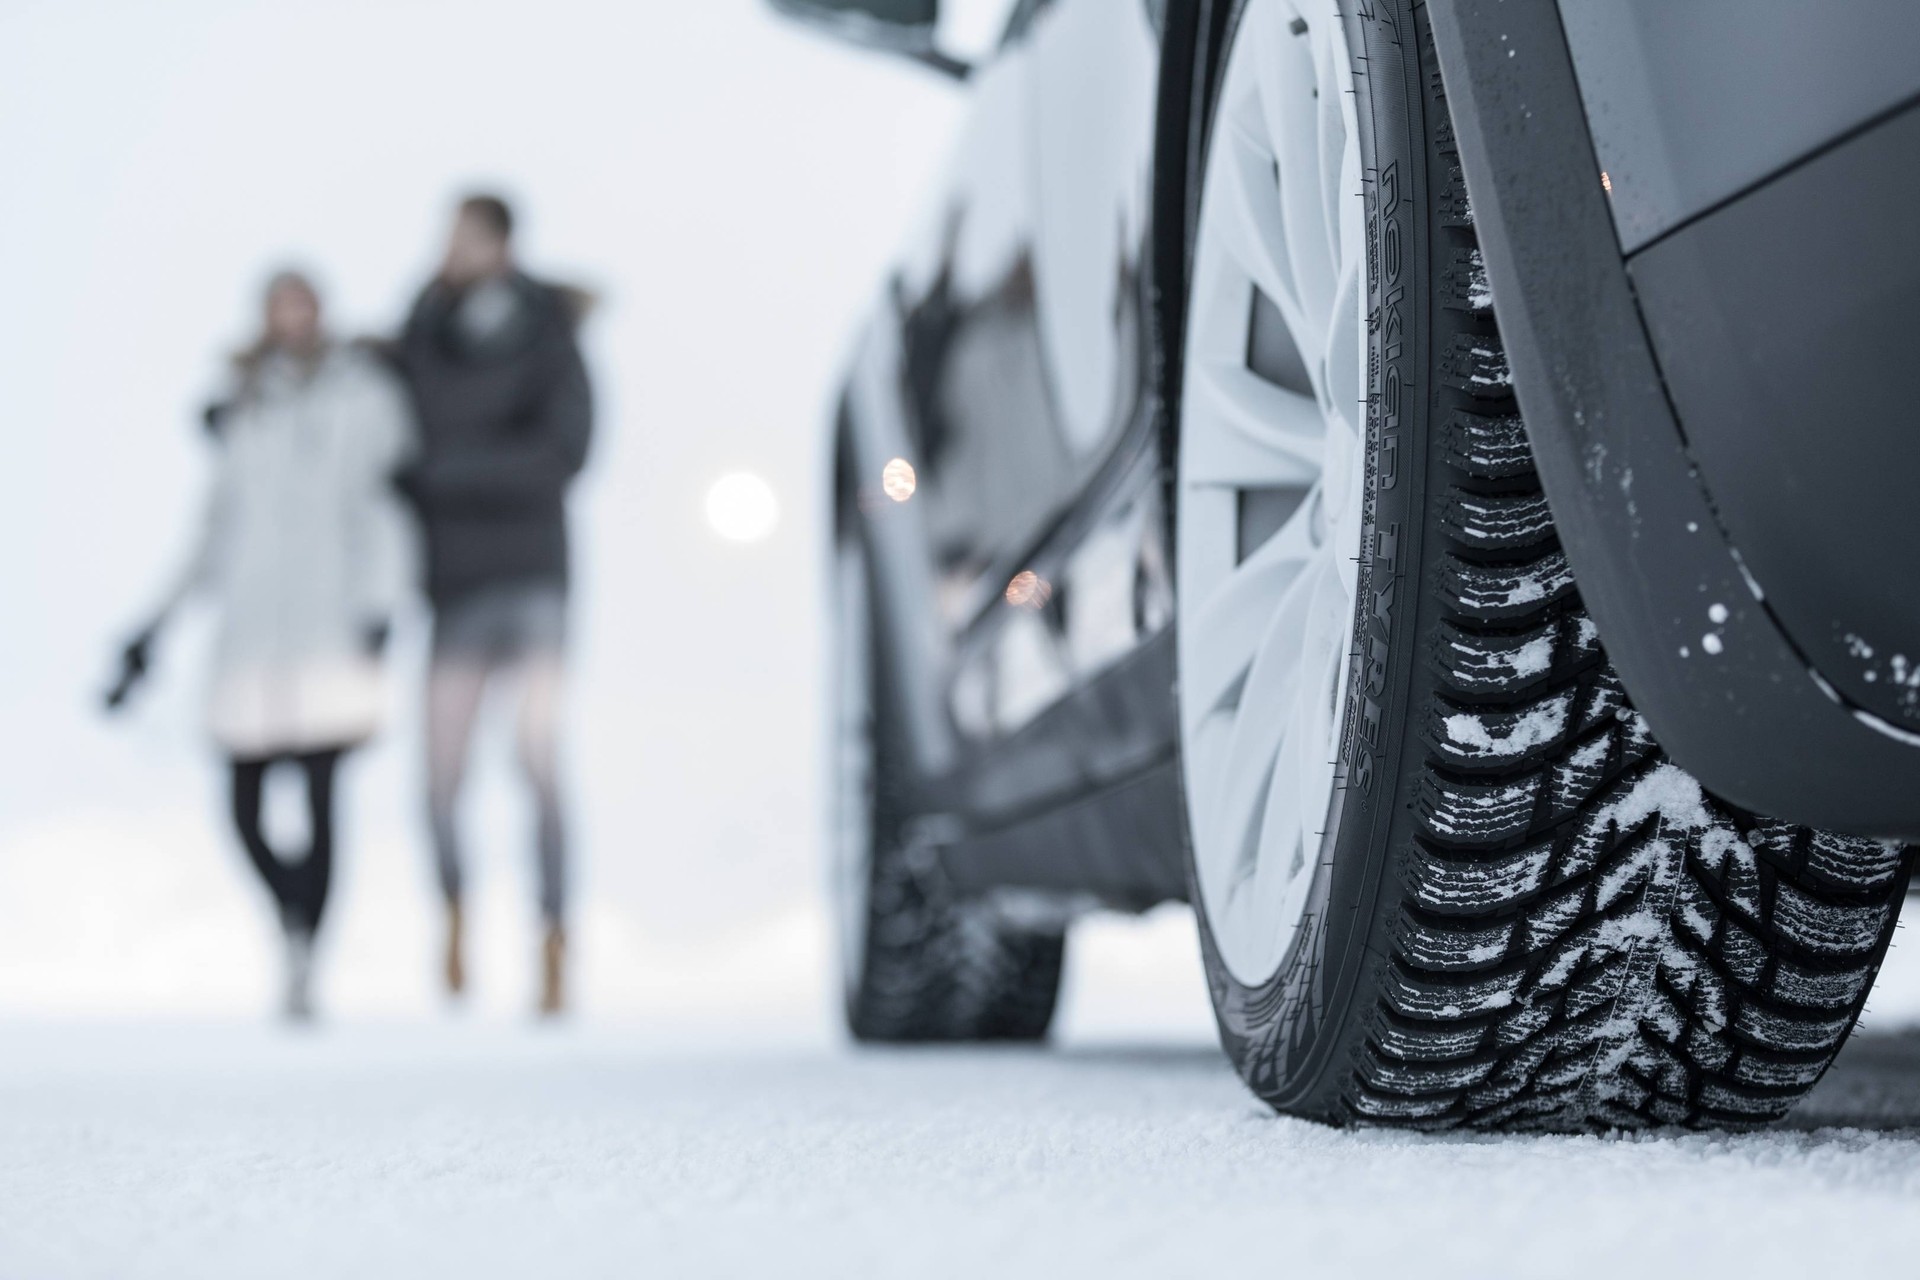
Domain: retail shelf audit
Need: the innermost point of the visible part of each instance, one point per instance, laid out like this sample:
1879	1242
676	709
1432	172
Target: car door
949	380
1089	70
1015	338
991	461
1092	104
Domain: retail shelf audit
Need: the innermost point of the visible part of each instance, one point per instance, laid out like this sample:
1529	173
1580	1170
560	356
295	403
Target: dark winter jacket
505	413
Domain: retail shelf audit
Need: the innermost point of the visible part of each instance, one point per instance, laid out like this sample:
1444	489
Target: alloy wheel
1270	475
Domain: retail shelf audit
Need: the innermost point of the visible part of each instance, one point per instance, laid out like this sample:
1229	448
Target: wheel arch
1189	62
1696	640
910	648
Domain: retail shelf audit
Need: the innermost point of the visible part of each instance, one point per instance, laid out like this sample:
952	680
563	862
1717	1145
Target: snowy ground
490	1148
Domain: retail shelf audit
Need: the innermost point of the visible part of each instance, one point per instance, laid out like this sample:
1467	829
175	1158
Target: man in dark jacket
505	412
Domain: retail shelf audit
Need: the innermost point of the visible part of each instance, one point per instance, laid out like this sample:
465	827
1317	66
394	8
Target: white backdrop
731	185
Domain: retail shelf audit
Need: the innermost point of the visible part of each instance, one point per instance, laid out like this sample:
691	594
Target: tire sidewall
1289	1036
888	885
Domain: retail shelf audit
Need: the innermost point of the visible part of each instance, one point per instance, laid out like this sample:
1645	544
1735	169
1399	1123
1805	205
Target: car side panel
1695	637
991	463
1691	102
1092	109
1784	327
956	313
1017	286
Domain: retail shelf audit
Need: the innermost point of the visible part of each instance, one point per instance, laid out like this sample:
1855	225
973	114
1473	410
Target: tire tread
1585	939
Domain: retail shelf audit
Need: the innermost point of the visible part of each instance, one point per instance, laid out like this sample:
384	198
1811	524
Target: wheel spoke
1286	80
1337	373
1332	139
1278	437
1228	628
1268	719
1282	827
1249	222
1296	811
1231	460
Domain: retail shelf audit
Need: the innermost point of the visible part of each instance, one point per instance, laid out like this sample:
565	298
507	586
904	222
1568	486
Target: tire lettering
1387	329
1370	723
1396	322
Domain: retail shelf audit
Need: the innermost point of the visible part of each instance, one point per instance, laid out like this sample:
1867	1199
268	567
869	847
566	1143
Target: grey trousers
512	636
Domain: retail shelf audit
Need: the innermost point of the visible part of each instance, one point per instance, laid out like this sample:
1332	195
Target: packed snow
494	1148
1536	727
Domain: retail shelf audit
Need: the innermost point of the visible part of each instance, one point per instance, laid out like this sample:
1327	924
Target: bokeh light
1028	590
741	507
897	480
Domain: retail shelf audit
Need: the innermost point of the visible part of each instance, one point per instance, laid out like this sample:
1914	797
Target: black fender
1697	641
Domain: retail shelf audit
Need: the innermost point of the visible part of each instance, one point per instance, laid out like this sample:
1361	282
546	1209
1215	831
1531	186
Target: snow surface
490	1148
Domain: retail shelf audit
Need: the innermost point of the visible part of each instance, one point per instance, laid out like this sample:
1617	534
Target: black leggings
300	888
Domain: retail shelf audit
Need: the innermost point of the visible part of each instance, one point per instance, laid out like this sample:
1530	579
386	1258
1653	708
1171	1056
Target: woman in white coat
305	552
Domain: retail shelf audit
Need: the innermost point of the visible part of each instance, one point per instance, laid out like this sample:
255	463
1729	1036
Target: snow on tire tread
1589	940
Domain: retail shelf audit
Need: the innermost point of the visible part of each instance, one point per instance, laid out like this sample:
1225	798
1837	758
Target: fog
731	186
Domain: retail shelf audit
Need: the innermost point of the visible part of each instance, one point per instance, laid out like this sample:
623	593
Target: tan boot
553	972
456	970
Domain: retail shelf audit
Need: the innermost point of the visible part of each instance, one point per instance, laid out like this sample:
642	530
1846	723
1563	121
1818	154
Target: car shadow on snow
1198	1057
1874	1084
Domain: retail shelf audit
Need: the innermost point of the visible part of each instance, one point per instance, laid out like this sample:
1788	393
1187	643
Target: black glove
373	638
133	668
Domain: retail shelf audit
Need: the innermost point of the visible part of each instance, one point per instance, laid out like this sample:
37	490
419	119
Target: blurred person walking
505	413
304	548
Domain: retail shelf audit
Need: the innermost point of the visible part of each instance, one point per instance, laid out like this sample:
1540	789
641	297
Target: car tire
917	964
1522	914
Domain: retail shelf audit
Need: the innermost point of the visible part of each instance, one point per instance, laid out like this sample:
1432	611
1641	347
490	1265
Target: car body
1691	221
1713	313
1008	363
1012	361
